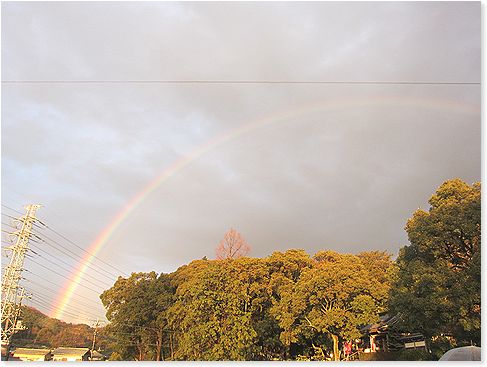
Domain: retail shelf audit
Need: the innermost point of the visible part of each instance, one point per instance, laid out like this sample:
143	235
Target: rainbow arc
66	293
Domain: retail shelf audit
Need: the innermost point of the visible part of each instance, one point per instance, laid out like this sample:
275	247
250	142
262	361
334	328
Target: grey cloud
330	166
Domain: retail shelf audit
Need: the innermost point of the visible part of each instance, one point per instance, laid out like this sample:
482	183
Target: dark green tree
437	287
136	308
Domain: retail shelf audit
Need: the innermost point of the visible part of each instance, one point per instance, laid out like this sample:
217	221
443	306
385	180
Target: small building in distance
31	354
71	354
97	356
380	337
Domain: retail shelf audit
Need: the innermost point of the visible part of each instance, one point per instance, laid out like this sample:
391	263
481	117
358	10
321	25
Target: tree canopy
437	288
291	305
247	308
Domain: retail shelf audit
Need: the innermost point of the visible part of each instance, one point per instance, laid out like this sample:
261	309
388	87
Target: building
97	356
71	354
381	337
31	354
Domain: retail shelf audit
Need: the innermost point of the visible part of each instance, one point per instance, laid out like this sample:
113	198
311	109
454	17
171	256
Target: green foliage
290	306
246	308
44	331
136	308
333	297
212	316
115	357
440	345
437	286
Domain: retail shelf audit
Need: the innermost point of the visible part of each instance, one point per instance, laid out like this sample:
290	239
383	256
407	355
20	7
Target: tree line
281	307
293	306
43	331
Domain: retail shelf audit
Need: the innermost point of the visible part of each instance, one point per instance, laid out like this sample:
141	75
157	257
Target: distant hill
43	331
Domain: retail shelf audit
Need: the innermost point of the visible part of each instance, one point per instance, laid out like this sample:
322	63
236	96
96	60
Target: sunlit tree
233	246
437	290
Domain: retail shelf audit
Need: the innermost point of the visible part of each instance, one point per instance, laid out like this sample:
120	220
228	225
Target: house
31	354
71	354
97	356
382	337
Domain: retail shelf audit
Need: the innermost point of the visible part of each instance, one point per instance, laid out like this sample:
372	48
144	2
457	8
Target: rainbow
64	296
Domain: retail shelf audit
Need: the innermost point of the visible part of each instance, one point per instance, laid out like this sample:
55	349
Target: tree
333	298
211	316
450	230
136	308
43	330
437	289
253	278
233	246
285	269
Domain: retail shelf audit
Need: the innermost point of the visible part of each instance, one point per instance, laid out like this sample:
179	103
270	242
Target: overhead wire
84	250
36	293
90	266
63	276
239	81
71	242
92	280
14	210
42	299
46	305
9	226
73	258
10	216
93	303
45	301
48	301
42	237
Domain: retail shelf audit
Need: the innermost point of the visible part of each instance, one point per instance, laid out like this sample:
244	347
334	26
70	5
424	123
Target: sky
310	166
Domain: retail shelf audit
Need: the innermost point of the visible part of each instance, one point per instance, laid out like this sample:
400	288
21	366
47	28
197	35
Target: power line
79	257
10	216
206	81
46	306
45	298
93	303
101	285
70	241
66	269
81	248
46	303
10	226
16	211
74	256
63	268
61	275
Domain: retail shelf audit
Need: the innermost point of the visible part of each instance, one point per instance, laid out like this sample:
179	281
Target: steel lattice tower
12	293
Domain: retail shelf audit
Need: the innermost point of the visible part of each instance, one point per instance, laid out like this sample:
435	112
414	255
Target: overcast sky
337	167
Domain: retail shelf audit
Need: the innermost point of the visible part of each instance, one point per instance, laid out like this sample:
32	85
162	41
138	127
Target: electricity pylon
12	293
